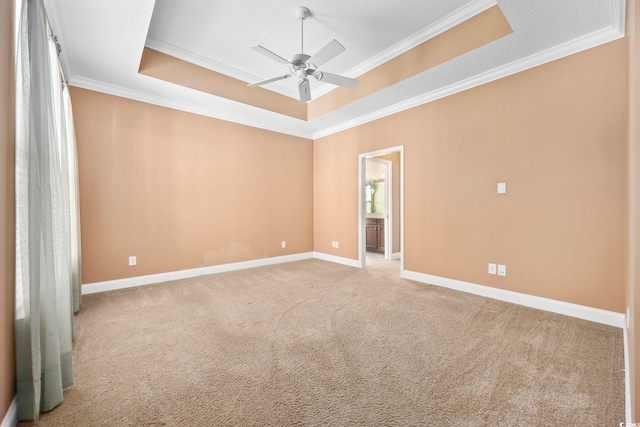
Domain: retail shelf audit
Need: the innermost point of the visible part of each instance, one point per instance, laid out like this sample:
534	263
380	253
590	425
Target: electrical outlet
284	244
132	260
502	270
492	269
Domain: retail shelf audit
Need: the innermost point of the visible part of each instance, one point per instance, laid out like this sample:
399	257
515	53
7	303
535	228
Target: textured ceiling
103	44
223	30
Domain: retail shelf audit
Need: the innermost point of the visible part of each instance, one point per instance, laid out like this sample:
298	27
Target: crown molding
163	101
614	32
454	19
618	15
580	44
448	22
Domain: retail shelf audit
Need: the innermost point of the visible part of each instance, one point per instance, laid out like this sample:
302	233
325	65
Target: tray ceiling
103	45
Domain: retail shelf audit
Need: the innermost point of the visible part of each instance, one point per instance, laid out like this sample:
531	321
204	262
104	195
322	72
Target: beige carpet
313	343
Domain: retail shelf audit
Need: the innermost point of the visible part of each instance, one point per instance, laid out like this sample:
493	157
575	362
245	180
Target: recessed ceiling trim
457	17
162	101
574	46
187	74
482	29
452	20
580	44
121	83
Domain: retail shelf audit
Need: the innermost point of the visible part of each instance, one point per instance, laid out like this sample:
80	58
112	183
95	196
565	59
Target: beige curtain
47	221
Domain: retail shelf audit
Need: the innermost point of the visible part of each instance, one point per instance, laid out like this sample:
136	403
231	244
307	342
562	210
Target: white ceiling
102	43
223	30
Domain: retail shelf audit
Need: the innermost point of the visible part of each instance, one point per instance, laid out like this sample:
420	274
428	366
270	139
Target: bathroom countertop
375	215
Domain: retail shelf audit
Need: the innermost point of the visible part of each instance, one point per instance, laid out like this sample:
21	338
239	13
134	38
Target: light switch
502	188
132	260
492	268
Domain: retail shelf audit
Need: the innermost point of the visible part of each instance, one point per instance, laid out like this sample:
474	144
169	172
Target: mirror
378	198
375	197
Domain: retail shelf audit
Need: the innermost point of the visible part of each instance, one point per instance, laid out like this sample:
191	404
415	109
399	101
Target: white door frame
362	249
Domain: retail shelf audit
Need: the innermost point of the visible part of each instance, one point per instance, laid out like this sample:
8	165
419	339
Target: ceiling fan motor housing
299	60
300	66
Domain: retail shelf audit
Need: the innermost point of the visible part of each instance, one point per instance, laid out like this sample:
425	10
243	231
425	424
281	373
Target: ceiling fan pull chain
302	35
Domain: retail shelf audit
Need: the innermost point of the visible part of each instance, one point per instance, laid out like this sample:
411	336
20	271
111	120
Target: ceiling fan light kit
302	65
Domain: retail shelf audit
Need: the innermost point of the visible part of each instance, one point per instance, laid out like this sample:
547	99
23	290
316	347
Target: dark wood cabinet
375	234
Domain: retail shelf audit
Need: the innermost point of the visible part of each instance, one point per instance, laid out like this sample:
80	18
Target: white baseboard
560	307
11	417
130	282
568	309
337	259
627	379
110	285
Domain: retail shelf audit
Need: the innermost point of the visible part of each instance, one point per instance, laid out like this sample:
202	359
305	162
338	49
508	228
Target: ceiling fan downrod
302	13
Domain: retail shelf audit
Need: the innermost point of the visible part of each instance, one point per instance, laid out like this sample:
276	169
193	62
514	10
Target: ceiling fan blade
269	54
337	80
327	53
305	91
264	82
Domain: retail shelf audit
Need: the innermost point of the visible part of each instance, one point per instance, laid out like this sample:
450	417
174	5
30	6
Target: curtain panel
47	220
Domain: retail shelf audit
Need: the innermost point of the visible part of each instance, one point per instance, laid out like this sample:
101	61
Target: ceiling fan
303	66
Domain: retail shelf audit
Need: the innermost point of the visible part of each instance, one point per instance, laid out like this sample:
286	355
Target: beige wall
633	284
471	34
182	191
165	67
7	361
556	134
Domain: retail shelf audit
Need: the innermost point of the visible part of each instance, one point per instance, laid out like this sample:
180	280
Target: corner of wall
7	205
633	243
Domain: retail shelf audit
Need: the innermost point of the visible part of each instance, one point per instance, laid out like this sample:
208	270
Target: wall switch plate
337	244
492	269
502	270
502	188
284	244
132	260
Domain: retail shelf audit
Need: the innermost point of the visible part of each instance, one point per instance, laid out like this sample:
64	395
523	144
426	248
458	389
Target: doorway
381	205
